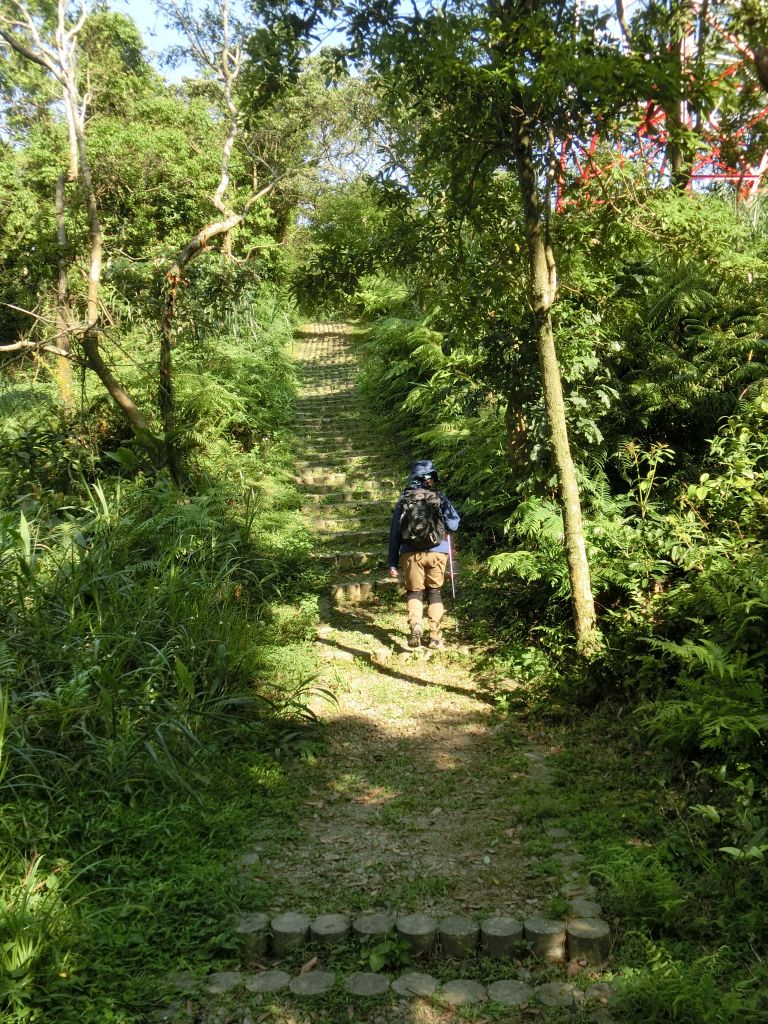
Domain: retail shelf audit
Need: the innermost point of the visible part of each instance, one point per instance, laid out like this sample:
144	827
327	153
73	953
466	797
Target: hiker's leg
413	573
434	575
435	612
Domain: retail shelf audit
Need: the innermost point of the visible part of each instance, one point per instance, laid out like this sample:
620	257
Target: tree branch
37	346
28	54
621	17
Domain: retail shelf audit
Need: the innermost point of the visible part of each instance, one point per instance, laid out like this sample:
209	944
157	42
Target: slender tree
499	87
50	41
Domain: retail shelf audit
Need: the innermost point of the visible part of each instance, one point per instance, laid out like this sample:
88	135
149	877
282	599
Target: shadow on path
470	694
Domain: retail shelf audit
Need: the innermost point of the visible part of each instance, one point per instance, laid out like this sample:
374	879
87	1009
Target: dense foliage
662	342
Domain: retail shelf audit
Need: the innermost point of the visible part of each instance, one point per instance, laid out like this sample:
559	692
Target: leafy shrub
377	295
145	628
670	987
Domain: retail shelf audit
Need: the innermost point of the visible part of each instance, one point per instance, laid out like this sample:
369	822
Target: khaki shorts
423	569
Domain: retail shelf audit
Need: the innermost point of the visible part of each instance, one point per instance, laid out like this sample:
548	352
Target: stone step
518	990
360	489
332	439
350	421
349	447
333	402
328	371
331	419
345	459
330	405
362	477
360	591
329	459
331	525
325	391
353	558
348	499
334	536
333	373
336	362
341	373
324	484
311	369
344	468
377	545
355	428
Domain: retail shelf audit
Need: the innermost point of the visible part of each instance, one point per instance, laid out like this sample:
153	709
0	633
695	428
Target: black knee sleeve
433	595
415	593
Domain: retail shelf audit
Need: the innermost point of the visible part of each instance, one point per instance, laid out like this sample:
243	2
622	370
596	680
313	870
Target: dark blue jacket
397	546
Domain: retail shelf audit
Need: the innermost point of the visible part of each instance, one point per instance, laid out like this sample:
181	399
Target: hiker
418	547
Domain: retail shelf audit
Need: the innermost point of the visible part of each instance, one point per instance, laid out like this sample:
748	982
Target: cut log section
373	926
463	993
547	938
414	984
267	981
581	907
252	934
316	983
366	985
330	929
418	932
510	993
459	936
501	937
289	931
589	939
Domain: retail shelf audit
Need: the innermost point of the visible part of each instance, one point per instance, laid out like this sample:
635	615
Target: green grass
688	939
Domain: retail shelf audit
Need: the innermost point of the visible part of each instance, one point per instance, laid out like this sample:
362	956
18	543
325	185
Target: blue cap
424	468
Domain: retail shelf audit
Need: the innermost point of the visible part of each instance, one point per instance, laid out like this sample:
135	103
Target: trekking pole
450	563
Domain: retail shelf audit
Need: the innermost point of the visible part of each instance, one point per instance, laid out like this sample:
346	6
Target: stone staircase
348	487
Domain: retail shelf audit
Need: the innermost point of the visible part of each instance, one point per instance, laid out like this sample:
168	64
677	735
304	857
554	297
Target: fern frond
525	564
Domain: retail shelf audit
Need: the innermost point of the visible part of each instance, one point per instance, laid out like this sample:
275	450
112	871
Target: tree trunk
165	396
517	431
120	395
542	269
59	60
677	106
63	311
90	337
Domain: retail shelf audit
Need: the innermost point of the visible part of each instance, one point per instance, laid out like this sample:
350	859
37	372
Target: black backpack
421	522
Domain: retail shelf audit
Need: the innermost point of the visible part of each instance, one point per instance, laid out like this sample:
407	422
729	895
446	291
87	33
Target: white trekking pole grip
450	564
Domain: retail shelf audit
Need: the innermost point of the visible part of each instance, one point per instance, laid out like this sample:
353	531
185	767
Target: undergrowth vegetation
146	629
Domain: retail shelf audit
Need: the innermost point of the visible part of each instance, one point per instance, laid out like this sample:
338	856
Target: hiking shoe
435	644
414	638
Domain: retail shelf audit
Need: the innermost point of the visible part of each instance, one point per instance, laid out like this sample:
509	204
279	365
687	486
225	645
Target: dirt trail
413	804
